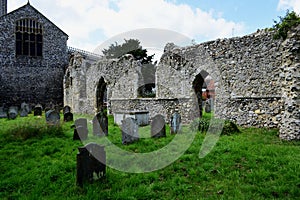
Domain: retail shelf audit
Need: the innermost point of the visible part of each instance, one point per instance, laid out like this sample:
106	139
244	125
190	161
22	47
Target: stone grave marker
68	116
81	129
25	109
91	163
175	123
207	107
100	124
52	117
12	112
158	126
129	131
37	110
3	114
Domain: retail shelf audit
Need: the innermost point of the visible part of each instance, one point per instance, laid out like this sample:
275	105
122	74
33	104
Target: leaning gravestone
158	127
129	131
68	116
52	117
37	110
175	123
100	124
91	163
81	129
3	114
12	112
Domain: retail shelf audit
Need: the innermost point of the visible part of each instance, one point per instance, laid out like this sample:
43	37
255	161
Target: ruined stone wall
31	79
256	81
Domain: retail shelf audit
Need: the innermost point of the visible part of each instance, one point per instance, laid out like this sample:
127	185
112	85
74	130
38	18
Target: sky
94	24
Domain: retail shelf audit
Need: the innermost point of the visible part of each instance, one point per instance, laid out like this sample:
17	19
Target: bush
286	23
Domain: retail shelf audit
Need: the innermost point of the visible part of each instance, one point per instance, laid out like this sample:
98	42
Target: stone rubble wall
290	78
29	79
256	81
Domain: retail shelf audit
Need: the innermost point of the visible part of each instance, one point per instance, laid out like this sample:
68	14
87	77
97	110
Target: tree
133	47
291	19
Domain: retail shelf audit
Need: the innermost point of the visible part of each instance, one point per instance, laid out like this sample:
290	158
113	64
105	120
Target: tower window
29	38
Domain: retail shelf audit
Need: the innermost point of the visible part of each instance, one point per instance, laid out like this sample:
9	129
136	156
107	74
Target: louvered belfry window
29	38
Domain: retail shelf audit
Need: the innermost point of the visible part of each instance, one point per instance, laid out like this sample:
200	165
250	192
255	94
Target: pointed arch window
29	38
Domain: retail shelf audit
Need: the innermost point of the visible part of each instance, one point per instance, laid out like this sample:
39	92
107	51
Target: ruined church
256	78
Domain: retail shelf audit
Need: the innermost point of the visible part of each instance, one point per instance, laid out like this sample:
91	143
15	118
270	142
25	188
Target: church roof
33	8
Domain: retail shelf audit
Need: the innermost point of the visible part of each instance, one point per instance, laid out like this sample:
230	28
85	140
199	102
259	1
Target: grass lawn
254	164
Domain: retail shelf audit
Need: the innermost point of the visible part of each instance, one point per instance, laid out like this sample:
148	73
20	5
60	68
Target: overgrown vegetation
291	19
254	164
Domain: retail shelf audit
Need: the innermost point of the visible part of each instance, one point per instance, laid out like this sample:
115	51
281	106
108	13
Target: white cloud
289	4
81	20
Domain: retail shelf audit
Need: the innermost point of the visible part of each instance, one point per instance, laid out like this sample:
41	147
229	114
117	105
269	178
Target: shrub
291	19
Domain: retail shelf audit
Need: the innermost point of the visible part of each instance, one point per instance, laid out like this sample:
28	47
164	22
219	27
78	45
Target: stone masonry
256	82
31	79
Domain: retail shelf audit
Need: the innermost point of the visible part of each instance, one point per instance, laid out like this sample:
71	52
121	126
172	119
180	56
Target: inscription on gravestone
52	117
129	131
91	163
175	123
100	124
81	130
37	110
158	127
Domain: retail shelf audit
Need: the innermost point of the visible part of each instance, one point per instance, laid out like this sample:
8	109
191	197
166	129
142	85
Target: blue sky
90	23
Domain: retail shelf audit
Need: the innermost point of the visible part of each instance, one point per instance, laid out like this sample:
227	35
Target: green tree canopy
131	46
291	19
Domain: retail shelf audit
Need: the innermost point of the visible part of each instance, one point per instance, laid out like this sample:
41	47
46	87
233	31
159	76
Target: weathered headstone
66	109
100	124
3	114
52	117
81	129
129	131
25	109
12	112
158	126
91	163
175	123
37	110
207	107
68	116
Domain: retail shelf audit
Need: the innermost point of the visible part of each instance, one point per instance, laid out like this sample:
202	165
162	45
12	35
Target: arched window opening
29	38
101	95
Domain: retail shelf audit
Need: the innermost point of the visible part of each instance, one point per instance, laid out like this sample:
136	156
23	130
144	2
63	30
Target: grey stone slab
129	131
158	126
175	123
100	124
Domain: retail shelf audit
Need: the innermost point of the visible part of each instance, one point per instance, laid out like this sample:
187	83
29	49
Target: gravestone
37	110
100	124
91	163
129	131
207	107
81	129
68	116
52	117
175	123
158	127
25	109
66	109
3	114
12	112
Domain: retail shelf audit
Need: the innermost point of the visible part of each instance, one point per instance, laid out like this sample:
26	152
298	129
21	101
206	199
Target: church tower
3	7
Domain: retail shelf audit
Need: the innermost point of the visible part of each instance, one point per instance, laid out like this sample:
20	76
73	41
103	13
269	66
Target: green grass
254	164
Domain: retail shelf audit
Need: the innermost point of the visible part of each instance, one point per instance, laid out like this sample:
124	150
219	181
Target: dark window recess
29	38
